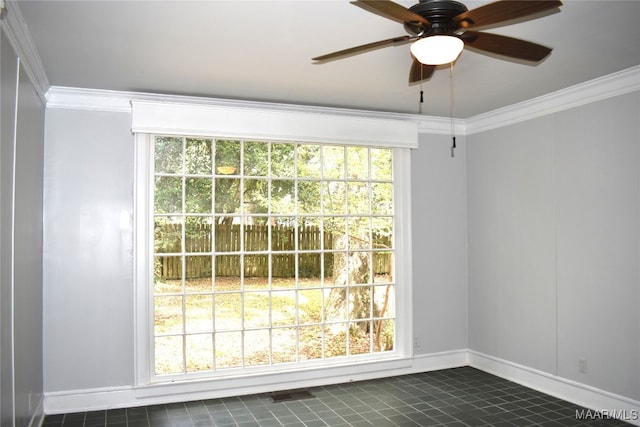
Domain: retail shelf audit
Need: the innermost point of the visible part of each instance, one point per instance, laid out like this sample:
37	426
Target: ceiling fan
440	29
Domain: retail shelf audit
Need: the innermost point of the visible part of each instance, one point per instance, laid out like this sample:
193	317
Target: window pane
310	306
168	355
227	240
334	198
168	155
283	197
199	352
283	160
256	266
256	196
311	342
359	337
384	301
228	311
358	198
283	308
309	234
335	304
256	157
351	268
256	309
198	156
168	194
283	345
198	274
335	340
256	283
200	284
384	335
228	350
167	273
359	231
227	157
198	195
199	313
383	265
198	232
381	164
227	273
382	232
382	199
333	161
168	315
227	195
309	272
357	162
257	348
360	301
309	197
309	161
337	228
167	235
283	236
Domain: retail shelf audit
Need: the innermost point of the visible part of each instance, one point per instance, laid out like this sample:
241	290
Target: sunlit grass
285	318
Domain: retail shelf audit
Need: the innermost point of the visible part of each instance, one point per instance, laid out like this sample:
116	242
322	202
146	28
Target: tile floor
462	397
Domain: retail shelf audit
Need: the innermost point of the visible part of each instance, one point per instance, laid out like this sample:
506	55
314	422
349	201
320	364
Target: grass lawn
281	317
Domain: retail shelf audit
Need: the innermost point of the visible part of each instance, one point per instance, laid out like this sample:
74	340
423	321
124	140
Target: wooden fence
199	238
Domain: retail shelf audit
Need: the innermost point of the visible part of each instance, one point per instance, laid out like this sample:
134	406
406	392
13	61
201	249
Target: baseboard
129	396
581	394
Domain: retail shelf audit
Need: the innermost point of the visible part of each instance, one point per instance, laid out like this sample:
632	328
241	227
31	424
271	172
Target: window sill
261	382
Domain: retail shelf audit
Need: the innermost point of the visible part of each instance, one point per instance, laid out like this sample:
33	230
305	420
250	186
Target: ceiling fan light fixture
437	50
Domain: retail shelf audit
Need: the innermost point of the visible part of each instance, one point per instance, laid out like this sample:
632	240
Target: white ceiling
261	50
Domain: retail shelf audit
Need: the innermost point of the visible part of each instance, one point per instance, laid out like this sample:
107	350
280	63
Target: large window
269	253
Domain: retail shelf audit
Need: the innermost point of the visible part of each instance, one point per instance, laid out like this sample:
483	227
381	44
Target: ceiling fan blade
420	71
506	46
361	49
503	10
390	10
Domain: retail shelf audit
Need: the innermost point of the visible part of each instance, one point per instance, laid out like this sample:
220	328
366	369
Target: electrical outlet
582	365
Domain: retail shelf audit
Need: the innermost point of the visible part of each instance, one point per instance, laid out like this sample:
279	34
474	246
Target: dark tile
453	397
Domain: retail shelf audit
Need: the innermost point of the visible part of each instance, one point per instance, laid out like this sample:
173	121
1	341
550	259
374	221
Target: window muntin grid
270	252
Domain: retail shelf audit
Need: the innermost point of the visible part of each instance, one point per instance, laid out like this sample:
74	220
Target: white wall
439	217
554	234
8	90
598	233
21	207
28	278
88	255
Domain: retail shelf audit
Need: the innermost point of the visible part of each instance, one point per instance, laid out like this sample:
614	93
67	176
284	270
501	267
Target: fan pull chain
453	127
421	92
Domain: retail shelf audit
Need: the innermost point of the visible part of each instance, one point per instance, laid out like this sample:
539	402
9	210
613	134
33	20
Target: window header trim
252	123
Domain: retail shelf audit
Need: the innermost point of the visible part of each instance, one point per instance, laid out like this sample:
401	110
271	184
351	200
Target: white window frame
189	121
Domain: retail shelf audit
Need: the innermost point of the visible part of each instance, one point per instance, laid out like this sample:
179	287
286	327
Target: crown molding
20	38
615	84
608	86
120	101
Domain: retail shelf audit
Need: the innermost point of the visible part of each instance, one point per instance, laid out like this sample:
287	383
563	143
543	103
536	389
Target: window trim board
226	121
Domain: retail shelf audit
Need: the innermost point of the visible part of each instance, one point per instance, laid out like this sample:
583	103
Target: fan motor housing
440	14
